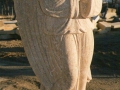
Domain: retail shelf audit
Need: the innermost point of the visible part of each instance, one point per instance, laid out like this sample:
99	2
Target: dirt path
22	78
31	83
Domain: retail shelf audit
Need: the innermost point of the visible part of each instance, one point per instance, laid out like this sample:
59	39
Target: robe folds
58	40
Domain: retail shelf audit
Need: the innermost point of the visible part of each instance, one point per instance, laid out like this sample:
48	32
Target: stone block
111	12
106	26
8	29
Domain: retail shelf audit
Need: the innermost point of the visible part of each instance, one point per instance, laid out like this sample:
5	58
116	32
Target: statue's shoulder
71	8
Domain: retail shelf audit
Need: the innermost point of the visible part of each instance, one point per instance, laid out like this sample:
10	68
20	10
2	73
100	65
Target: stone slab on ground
111	12
8	27
106	26
10	22
8	30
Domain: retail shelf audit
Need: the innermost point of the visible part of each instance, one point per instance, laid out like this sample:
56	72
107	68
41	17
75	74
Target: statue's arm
90	8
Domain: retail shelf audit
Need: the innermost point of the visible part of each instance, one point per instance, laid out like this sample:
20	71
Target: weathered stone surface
58	41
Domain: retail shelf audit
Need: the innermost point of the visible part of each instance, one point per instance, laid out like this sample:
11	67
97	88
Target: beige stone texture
106	26
9	29
1	23
111	12
58	41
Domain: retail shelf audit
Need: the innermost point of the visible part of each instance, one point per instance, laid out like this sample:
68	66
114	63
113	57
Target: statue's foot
89	77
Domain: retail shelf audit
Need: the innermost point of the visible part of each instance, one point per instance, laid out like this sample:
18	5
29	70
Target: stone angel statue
58	39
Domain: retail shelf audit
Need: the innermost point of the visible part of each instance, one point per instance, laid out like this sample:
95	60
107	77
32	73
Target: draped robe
58	40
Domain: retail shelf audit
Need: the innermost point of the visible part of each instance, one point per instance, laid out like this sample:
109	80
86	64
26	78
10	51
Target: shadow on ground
106	59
